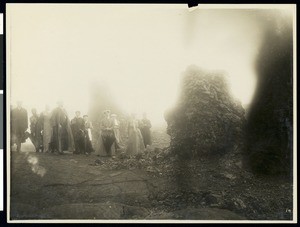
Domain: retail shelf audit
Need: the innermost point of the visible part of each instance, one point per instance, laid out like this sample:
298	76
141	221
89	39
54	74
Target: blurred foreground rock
269	127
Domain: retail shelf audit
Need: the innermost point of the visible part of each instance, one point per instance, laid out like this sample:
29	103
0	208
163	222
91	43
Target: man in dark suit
19	125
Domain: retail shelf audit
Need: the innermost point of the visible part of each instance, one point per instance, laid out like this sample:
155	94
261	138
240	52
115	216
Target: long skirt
79	140
88	148
104	144
146	133
117	143
36	139
47	134
135	143
62	139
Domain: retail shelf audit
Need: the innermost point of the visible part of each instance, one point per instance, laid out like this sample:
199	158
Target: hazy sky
57	51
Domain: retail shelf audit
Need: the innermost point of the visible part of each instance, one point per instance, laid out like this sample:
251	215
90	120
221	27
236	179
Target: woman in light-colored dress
135	139
47	128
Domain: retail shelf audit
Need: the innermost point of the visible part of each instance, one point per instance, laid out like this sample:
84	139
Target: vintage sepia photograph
151	113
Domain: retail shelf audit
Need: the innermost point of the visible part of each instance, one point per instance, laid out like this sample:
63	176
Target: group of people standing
138	135
52	131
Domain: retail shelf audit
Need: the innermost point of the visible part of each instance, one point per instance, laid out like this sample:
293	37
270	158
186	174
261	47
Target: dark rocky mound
206	119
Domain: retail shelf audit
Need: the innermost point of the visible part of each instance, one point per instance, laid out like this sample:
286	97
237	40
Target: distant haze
55	52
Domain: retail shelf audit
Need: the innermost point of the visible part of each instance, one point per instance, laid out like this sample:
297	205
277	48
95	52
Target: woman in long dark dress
78	127
36	131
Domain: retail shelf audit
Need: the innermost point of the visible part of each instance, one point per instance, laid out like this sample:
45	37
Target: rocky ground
151	186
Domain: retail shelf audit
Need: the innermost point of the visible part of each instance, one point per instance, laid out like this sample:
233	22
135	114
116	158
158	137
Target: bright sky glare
57	51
